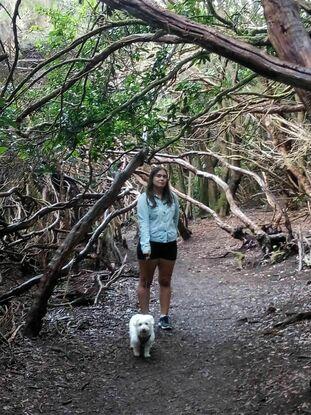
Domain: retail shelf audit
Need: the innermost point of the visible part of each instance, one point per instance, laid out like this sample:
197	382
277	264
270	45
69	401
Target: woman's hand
147	256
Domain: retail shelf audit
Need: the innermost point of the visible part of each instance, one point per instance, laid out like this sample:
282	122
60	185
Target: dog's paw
147	355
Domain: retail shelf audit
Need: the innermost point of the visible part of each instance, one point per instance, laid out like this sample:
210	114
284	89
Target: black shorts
167	250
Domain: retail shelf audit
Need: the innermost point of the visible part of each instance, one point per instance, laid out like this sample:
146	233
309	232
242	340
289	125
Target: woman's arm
143	223
176	213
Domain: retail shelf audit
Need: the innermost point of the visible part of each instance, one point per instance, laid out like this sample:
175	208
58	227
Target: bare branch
9	192
3	57
223	185
15	227
76	235
25	286
115	276
16	43
227	228
217	16
273	202
82	254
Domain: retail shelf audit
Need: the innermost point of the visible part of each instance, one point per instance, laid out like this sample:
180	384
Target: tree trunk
188	209
76	235
289	37
203	189
235	176
181	180
212	186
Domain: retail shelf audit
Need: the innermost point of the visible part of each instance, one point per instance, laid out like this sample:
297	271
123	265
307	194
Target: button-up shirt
158	224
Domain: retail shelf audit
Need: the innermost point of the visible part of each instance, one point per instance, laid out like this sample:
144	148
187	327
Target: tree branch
151	86
76	235
99	58
20	289
16	44
217	42
227	228
224	186
3	57
73	45
82	254
217	16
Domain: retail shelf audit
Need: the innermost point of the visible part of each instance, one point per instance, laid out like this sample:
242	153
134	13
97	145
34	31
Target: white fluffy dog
141	334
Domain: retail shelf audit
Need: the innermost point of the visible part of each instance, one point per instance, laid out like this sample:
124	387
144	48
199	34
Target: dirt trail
216	361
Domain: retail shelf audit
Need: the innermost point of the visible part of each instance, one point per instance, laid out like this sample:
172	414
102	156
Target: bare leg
166	268
146	272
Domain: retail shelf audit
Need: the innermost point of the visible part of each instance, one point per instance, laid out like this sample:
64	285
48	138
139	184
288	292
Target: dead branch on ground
114	277
304	315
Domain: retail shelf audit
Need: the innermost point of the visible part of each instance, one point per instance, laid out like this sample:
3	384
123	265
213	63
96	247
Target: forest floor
222	358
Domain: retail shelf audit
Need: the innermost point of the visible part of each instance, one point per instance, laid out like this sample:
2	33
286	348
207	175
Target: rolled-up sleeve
143	223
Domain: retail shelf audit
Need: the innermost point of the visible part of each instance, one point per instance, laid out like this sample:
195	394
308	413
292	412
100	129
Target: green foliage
191	100
278	254
90	101
193	9
64	28
106	107
7	120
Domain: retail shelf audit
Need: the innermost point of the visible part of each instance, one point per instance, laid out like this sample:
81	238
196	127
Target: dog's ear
151	320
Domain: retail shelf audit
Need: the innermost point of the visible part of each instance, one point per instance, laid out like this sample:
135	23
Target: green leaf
23	155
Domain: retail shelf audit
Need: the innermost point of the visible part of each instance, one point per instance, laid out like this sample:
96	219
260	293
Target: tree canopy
217	91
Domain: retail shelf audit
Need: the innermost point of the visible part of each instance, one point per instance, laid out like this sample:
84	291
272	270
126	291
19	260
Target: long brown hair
167	194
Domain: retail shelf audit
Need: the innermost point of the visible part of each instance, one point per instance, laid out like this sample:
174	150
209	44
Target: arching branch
76	235
217	42
15	227
272	200
149	88
99	58
224	186
27	285
82	254
72	46
227	228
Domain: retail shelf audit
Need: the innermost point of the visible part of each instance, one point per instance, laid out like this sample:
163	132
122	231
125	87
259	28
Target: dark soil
221	358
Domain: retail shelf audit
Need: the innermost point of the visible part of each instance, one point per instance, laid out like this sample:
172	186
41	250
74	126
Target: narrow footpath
222	358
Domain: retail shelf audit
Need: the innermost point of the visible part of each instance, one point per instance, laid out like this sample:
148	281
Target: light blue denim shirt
158	224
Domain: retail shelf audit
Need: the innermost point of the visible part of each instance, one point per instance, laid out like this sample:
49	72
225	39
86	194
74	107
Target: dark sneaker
165	323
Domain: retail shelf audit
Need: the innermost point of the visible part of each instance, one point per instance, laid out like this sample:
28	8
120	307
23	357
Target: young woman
158	213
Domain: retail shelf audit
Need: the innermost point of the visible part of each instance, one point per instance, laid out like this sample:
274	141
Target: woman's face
160	179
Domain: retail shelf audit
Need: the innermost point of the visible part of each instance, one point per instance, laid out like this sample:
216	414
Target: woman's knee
165	281
144	283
